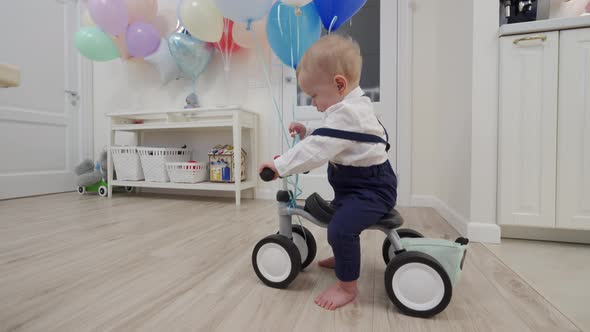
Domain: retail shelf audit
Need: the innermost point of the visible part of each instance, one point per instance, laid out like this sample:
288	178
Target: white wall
442	64
484	156
425	178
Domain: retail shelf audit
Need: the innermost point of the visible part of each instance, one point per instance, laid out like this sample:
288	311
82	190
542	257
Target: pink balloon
110	15
142	39
142	10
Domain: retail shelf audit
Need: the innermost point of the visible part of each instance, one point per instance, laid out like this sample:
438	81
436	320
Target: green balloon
96	45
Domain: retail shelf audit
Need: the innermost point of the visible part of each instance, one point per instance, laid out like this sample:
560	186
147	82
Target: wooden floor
82	263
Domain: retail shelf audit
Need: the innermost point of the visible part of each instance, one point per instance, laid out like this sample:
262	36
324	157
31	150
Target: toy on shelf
92	177
192	101
222	164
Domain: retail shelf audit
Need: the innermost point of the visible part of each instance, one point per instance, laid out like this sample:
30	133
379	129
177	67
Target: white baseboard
476	232
483	232
261	193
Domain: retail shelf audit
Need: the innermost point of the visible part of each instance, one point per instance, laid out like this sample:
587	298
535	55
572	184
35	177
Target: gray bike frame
286	214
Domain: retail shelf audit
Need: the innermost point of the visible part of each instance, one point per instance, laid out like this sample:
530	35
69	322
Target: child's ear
341	83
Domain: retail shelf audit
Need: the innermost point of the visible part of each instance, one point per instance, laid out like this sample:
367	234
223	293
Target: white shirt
354	113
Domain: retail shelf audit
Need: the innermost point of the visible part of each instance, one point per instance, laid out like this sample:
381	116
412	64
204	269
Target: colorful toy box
222	164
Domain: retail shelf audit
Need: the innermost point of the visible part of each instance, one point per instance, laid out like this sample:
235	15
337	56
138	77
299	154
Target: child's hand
270	165
297	128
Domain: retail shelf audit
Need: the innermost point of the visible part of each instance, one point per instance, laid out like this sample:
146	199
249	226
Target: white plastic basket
127	163
187	172
153	161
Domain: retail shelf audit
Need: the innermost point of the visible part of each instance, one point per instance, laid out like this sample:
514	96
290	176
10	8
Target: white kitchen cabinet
528	129
544	130
573	138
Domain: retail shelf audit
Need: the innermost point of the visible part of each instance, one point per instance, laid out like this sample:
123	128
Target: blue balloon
191	55
291	31
334	13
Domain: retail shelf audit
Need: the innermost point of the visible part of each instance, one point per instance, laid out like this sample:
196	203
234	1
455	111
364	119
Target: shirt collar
357	92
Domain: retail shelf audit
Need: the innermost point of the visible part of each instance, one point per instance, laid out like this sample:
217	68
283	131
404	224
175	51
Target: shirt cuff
281	166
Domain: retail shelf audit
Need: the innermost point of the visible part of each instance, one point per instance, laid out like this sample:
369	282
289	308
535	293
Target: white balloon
245	38
297	3
244	10
163	61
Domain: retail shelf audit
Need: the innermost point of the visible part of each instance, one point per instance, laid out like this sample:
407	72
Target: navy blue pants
363	195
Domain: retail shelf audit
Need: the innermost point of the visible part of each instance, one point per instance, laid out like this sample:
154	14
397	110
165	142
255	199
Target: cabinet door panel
527	129
573	161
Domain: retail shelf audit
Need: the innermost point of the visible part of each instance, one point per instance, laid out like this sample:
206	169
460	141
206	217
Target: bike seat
323	211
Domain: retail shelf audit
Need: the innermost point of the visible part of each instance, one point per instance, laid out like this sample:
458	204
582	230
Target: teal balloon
191	55
96	45
291	31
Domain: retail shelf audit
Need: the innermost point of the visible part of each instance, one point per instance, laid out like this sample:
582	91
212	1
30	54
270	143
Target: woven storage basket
153	161
127	163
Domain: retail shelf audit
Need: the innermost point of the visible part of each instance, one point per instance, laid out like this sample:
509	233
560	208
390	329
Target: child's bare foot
328	263
337	295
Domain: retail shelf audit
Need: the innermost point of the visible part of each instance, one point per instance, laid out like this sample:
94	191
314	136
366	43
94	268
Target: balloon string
269	86
279	20
195	84
298	39
291	43
226	38
231	47
332	24
293	66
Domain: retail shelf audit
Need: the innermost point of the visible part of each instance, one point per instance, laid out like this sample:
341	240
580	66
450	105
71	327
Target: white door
374	27
573	159
527	129
39	137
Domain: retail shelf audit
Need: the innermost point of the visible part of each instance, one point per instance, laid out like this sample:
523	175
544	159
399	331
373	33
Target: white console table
236	118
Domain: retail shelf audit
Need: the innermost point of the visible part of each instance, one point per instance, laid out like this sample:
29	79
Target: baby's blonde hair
334	55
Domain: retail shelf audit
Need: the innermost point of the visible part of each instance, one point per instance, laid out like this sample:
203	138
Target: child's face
324	90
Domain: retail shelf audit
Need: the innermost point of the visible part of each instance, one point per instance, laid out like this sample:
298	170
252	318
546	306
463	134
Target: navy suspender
352	136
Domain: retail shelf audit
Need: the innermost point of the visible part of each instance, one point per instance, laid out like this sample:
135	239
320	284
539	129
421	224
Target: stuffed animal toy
92	177
192	101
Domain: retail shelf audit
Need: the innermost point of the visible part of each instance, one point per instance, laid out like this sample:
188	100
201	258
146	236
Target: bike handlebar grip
267	174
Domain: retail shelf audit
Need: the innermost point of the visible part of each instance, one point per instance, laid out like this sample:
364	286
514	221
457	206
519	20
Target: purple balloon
142	39
110	15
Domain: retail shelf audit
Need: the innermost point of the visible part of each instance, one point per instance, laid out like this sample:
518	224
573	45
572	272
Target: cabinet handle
536	37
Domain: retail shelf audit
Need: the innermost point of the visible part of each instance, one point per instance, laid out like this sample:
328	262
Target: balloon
110	15
142	10
227	44
142	39
86	19
190	54
167	18
96	45
245	38
296	3
245	11
291	31
202	19
334	13
164	63
121	44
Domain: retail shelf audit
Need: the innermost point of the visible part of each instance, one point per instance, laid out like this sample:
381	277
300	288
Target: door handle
74	96
528	38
